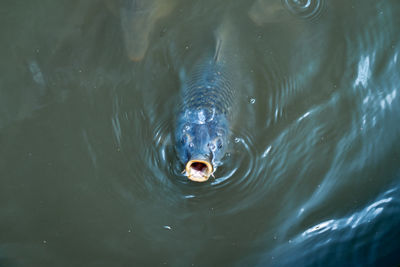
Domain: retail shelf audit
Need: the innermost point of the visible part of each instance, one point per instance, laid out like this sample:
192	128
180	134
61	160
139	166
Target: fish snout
198	170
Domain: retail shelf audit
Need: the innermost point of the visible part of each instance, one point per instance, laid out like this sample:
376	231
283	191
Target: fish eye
219	144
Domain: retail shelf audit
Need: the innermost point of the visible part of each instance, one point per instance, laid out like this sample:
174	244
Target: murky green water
88	171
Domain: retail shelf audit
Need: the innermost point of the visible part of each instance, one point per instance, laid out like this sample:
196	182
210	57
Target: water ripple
306	9
354	220
371	228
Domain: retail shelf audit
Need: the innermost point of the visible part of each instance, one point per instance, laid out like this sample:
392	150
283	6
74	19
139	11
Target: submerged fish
266	11
138	19
203	122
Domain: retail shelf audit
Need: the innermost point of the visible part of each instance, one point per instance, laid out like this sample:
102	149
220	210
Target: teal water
88	171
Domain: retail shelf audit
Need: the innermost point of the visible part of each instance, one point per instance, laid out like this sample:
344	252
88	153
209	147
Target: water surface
89	175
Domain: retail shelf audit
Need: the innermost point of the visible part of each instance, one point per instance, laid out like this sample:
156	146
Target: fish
205	114
268	11
281	11
138	20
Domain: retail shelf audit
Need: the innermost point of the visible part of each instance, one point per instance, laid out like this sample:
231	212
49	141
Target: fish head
201	147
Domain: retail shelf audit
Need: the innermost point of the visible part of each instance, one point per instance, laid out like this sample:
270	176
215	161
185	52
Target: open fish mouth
198	170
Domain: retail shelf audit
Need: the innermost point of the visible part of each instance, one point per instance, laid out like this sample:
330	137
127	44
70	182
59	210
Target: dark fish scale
209	88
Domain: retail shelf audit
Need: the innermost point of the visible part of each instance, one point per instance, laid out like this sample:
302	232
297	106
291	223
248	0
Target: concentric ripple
306	9
236	174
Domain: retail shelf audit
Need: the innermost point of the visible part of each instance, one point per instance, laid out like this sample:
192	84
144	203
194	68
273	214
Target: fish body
204	117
